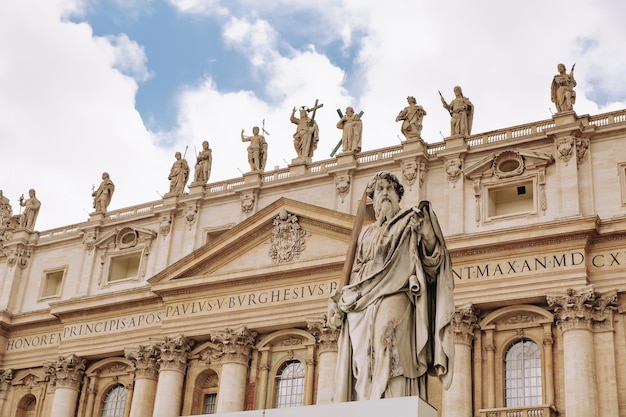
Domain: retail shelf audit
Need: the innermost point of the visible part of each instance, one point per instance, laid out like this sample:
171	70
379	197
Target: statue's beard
385	210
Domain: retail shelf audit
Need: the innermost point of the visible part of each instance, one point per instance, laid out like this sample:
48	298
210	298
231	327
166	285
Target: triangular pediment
284	237
516	160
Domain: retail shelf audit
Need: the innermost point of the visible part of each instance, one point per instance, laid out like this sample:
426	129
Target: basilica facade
214	300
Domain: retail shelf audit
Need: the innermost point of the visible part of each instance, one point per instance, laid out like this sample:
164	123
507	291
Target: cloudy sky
88	86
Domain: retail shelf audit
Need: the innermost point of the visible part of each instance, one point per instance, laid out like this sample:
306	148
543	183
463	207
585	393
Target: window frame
44	282
282	366
540	377
105	396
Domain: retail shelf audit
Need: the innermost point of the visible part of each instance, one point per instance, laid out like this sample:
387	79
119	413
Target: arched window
114	402
27	407
522	367
290	384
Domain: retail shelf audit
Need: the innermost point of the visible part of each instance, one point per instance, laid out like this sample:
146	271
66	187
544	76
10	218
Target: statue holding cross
307	133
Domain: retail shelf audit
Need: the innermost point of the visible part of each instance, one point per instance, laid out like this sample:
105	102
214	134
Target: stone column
172	360
457	400
236	345
6	376
576	312
264	367
92	390
326	339
491	368
146	373
66	374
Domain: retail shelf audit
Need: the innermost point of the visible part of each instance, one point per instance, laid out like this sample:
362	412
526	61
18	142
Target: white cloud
129	57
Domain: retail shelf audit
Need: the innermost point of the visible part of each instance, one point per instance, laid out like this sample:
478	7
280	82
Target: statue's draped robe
398	311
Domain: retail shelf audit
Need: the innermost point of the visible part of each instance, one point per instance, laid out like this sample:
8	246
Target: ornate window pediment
508	183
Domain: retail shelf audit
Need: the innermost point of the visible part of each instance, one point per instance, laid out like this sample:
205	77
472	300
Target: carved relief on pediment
287	241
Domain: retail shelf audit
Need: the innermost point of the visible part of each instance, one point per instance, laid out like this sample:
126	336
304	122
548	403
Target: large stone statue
31	210
562	89
179	174
102	196
257	150
204	161
6	211
411	116
461	112
352	127
396	309
307	133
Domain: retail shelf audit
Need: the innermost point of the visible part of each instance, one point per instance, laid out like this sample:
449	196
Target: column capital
173	353
583	309
144	358
66	371
236	344
325	336
465	321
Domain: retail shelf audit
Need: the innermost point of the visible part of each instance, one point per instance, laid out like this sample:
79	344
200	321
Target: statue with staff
352	127
562	89
394	301
461	112
306	137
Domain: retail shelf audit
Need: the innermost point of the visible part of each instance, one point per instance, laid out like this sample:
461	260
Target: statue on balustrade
179	174
257	150
395	305
31	210
411	116
352	127
461	112
204	161
6	211
306	137
562	89
102	196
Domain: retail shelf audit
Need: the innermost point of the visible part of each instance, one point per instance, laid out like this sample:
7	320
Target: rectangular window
511	199
52	284
209	404
124	267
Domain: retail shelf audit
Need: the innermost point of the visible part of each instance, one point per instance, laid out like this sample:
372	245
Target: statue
562	90
204	161
179	174
396	307
102	196
307	133
352	127
31	210
411	116
461	110
257	150
6	211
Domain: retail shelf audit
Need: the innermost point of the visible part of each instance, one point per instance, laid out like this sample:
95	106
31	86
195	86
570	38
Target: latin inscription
537	264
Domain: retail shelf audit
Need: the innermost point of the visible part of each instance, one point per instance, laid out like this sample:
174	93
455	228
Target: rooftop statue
461	112
102	196
395	309
179	174
257	150
352	127
307	133
562	89
6	211
204	161
31	210
411	116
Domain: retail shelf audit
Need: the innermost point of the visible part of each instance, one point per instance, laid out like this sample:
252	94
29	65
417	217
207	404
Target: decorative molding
173	353
287	241
236	344
342	185
66	371
583	309
325	336
144	359
465	321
